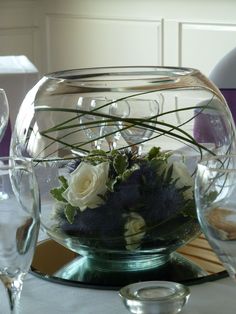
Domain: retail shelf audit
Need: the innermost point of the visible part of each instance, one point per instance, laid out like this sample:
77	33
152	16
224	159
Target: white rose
86	183
181	173
134	231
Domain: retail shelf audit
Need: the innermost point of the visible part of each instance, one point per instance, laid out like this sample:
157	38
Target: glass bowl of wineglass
96	124
215	194
142	108
4	112
19	224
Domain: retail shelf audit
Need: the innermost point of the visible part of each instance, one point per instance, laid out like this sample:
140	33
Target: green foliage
70	212
210	197
120	163
57	194
127	173
153	153
96	156
189	209
98	152
156	182
63	182
111	184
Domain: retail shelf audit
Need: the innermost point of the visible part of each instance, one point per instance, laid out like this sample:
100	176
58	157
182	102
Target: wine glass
19	224
97	123
215	195
91	123
145	111
4	112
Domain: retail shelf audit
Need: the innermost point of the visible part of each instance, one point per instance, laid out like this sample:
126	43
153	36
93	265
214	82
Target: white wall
63	34
19	34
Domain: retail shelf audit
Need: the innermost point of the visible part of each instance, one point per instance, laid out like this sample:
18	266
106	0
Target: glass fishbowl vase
115	152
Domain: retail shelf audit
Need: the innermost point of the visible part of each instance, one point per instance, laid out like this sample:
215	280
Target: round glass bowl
115	153
155	297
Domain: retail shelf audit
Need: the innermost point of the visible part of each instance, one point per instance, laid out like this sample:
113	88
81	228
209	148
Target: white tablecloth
43	297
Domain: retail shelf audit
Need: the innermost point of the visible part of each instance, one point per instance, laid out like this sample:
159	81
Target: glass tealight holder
155	297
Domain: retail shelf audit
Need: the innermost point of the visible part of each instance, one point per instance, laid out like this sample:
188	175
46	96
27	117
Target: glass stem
135	149
140	149
13	287
96	144
112	145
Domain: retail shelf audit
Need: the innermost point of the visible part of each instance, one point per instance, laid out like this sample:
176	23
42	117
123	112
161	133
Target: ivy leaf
98	152
210	198
57	194
153	153
111	183
96	156
63	182
70	212
114	152
126	174
120	164
189	209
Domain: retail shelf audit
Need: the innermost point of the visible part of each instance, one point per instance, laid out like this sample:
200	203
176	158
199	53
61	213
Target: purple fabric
201	132
5	142
230	97
208	128
205	134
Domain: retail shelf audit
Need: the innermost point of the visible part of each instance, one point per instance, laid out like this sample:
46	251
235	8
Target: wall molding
131	25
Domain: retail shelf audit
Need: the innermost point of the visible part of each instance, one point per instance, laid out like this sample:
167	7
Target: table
17	76
40	296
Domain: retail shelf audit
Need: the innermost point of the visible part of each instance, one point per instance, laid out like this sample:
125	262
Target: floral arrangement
119	199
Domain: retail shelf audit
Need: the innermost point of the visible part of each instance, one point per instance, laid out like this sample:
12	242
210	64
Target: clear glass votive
155	297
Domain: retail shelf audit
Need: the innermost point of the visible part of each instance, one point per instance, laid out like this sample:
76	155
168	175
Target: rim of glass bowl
123	73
